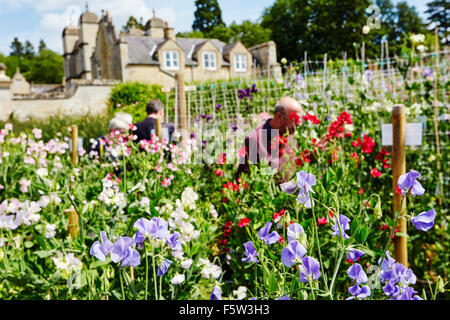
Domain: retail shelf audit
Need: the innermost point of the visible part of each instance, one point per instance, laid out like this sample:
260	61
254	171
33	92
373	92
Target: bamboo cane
436	115
74	144
399	168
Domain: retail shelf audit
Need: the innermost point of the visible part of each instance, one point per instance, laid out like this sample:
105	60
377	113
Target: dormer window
240	62
171	60
209	61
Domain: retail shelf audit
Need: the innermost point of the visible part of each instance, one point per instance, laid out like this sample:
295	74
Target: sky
45	19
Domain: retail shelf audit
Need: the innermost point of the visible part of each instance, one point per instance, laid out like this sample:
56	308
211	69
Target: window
171	60
240	62
209	60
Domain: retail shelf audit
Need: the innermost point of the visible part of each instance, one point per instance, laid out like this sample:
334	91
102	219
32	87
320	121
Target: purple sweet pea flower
427	72
309	270
408	183
391	289
345	225
305	181
250	252
218	106
292	253
356	273
155	228
254	90
359	292
216	294
269	238
122	251
285	297
101	250
408	293
173	242
139	238
424	221
294	231
163	267
355	254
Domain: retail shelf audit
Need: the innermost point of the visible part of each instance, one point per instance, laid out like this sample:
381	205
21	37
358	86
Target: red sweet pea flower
219	172
356	143
361	191
299	162
349	261
322	221
368	144
295	117
375	173
384	227
277	215
281	240
223	242
244	222
331	213
398	190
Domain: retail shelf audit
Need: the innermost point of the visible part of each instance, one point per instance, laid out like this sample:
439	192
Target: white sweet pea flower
240	293
177	279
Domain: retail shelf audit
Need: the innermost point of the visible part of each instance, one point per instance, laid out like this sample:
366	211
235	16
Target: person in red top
274	141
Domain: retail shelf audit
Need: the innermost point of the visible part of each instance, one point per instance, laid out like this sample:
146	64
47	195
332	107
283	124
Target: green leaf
44	254
401	234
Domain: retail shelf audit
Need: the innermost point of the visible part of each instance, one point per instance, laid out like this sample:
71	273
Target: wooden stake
399	168
158	129
74	144
73	227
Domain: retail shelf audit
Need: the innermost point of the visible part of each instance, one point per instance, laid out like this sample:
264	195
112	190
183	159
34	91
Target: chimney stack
169	34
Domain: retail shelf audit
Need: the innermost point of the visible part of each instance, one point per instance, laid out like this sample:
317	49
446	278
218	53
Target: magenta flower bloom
250	252
408	183
309	270
163	267
345	225
123	252
100	250
293	253
294	231
269	238
216	294
424	221
357	273
355	254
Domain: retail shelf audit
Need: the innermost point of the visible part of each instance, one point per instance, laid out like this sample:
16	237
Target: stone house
93	50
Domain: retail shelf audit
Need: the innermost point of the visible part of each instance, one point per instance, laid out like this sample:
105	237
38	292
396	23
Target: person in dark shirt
144	129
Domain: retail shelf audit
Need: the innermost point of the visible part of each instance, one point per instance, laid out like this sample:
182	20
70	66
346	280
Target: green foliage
439	14
331	26
132	97
47	67
133	21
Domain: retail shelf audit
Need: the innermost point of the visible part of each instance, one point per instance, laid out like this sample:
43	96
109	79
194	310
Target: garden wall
86	99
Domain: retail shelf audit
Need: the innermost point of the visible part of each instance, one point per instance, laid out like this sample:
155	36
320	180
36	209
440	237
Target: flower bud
377	210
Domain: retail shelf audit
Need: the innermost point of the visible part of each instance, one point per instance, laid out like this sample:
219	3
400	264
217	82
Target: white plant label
413	134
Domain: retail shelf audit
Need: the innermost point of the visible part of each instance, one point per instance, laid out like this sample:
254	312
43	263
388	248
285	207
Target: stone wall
88	99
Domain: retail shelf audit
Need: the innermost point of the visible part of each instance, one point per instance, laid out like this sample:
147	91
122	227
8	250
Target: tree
191	34
42	45
17	48
438	16
47	67
207	15
250	33
28	52
137	24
